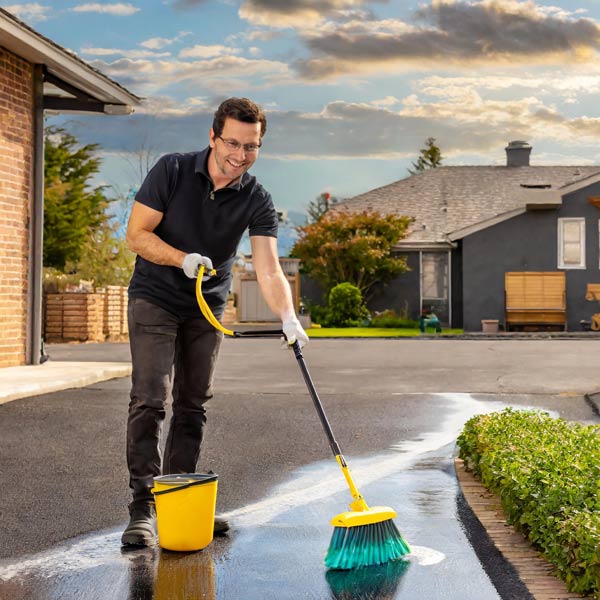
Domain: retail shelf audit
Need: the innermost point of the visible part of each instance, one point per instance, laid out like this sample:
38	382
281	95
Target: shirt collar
202	167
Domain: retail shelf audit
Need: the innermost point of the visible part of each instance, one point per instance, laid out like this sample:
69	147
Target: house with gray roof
474	224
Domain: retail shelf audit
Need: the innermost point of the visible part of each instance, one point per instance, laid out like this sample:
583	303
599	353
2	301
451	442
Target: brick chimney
517	154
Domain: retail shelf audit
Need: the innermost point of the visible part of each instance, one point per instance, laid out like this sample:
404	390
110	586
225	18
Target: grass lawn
374	332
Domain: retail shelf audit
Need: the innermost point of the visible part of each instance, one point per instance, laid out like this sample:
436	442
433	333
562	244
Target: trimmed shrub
547	474
346	306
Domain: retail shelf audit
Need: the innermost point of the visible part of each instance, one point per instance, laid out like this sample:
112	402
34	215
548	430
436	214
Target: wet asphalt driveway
396	408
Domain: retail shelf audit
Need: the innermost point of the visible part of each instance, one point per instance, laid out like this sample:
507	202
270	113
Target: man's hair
240	109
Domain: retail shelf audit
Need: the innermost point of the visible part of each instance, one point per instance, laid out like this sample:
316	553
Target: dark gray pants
168	353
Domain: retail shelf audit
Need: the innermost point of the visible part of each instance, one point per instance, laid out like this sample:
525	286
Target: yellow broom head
353	518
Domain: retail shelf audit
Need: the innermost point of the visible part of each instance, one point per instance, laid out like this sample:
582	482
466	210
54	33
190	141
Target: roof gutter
412	246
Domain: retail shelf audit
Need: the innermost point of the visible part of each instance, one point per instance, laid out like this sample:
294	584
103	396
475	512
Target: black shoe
141	530
221	525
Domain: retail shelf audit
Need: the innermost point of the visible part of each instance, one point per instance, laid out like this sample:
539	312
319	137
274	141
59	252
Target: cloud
133	54
31	12
557	84
262	35
459	33
121	10
200	51
157	43
185	4
300	13
223	73
463	126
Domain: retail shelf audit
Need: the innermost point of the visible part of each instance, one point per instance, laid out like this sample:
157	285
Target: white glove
294	332
191	264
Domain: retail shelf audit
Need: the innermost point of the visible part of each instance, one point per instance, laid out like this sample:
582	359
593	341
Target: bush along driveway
547	474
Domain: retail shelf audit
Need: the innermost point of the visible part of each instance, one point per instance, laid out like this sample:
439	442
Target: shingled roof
446	200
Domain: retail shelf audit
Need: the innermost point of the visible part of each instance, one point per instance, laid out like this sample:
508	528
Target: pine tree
430	157
72	207
319	206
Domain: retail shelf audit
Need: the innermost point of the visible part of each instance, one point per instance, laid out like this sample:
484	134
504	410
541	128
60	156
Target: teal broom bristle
365	545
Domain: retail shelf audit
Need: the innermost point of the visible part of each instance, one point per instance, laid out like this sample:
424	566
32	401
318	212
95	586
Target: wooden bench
535	298
593	293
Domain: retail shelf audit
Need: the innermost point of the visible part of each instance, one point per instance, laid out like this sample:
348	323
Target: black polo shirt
196	219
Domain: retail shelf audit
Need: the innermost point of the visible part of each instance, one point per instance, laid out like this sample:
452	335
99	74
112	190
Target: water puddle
277	545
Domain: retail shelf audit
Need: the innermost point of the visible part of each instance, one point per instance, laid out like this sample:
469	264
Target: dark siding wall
456	289
528	243
403	292
310	290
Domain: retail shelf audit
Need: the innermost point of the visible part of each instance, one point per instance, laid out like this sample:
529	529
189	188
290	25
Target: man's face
232	161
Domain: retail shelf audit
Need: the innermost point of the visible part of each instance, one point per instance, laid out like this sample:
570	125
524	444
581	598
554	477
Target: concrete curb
593	399
22	382
533	569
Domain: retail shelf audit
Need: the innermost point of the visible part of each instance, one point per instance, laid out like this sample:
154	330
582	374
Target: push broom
363	536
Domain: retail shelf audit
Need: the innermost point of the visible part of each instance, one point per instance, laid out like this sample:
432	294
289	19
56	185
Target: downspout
36	225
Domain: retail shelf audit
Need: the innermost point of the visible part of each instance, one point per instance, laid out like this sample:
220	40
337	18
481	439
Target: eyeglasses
234	145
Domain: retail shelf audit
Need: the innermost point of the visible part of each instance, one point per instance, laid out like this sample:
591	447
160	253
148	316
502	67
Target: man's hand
191	264
294	332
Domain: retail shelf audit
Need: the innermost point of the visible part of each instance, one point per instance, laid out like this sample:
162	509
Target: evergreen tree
72	208
430	157
319	206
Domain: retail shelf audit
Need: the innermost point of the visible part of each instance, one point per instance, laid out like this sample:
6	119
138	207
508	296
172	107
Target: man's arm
273	282
142	240
275	287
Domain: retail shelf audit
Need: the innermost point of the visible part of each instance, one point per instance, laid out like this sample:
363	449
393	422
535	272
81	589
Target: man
192	210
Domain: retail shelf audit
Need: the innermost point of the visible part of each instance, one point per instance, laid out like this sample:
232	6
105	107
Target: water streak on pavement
277	546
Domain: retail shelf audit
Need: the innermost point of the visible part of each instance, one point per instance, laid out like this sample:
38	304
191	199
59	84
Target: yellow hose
204	308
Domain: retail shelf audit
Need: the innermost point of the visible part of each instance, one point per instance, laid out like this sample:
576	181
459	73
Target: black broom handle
317	402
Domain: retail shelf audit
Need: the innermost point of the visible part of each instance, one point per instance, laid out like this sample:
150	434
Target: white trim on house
418	246
581	183
561	260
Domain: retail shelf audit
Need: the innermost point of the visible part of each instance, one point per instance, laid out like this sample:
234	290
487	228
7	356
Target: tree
352	247
72	208
430	157
104	258
319	206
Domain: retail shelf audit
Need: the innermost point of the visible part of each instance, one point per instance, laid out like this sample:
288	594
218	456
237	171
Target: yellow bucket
185	510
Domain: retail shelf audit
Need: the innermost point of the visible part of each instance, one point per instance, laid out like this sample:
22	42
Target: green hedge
547	474
389	318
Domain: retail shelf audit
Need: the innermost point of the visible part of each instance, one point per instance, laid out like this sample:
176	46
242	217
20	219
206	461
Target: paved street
396	407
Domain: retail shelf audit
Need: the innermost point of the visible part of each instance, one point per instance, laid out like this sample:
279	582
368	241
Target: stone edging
532	568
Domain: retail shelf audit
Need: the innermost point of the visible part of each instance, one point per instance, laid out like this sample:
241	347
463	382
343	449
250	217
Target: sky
352	88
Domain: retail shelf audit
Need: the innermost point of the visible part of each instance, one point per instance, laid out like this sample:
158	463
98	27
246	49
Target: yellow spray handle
204	308
359	502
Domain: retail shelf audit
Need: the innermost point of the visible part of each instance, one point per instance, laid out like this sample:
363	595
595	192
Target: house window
571	243
435	270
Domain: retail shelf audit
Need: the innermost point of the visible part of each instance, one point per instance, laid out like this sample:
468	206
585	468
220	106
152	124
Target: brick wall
16	156
86	317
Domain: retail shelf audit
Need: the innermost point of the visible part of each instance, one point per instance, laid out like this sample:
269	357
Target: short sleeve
156	188
264	219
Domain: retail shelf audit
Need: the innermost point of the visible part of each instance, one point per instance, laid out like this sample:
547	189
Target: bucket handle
184	486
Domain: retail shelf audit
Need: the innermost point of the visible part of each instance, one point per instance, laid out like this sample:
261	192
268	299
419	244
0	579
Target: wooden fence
86	317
